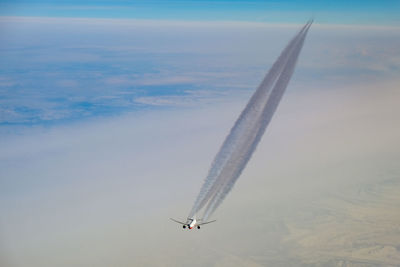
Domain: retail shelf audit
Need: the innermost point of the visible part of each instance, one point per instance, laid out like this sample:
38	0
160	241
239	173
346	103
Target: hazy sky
110	115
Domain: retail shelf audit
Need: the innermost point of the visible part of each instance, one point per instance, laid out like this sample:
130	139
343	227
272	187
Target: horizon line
179	22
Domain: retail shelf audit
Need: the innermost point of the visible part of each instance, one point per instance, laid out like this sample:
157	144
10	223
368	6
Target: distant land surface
358	229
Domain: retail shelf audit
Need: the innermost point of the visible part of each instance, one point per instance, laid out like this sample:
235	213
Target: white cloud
111	185
163	53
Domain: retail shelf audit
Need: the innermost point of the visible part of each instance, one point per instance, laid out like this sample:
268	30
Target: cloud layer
99	189
56	70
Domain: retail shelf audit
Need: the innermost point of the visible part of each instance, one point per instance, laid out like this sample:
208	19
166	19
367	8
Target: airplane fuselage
191	223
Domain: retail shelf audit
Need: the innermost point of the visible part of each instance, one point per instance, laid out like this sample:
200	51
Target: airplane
192	222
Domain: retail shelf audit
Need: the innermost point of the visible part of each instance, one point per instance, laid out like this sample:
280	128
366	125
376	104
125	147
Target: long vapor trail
246	133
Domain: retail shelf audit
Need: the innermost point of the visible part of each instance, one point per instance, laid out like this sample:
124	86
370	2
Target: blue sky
340	12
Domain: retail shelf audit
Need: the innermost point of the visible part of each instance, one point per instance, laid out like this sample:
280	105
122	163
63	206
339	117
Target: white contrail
244	136
240	128
266	116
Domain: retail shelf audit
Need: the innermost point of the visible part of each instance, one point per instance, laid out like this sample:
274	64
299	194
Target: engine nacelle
184	226
198	226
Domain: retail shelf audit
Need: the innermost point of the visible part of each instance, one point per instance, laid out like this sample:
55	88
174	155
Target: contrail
266	116
246	133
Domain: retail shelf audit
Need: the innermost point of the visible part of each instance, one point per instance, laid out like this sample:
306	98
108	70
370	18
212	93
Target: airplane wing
206	222
178	221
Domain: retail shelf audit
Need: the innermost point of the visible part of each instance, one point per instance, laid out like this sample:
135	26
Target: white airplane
192	222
